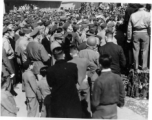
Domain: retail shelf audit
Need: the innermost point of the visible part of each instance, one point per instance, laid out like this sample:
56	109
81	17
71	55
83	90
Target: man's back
83	64
37	53
29	82
116	52
91	55
107	94
62	77
109	84
140	19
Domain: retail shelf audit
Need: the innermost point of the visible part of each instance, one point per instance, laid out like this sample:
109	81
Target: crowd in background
70	62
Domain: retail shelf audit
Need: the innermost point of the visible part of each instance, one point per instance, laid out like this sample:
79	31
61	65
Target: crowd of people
70	62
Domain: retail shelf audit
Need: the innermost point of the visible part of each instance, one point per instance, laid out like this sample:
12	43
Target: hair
21	33
148	7
109	32
59	30
43	71
75	28
58	52
105	60
27	64
60	24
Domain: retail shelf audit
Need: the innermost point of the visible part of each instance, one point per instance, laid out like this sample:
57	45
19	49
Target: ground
133	109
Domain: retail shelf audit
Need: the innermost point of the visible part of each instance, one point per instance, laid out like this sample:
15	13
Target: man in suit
85	69
31	90
63	77
108	91
115	51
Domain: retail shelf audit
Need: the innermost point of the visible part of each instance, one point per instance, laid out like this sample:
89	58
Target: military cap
5	30
6	22
58	35
16	28
34	25
54	45
26	31
34	32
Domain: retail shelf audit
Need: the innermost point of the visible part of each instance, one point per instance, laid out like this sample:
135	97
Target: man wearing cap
54	45
9	50
76	38
139	23
37	53
91	51
20	48
91	54
31	88
62	78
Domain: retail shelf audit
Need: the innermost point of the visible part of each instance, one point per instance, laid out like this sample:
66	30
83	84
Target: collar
141	9
75	55
60	61
47	38
106	70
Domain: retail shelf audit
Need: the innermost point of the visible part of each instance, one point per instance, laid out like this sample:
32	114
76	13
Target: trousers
140	44
105	112
32	107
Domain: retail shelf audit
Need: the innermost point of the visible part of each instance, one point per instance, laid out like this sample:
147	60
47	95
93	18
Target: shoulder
116	76
98	81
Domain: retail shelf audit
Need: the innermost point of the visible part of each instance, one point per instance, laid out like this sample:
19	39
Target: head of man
21	33
109	35
6	31
58	53
35	34
105	61
28	65
92	42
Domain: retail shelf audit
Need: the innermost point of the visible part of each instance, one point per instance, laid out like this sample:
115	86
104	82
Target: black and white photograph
82	60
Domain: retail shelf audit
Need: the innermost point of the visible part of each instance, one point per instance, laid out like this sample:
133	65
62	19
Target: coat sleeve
122	58
121	94
6	46
50	77
92	67
129	31
6	103
77	38
96	94
7	62
44	54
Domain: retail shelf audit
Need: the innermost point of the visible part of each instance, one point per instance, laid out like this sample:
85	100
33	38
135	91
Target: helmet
91	41
54	45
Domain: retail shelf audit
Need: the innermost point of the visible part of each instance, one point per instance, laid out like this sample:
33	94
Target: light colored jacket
8	104
138	22
8	48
